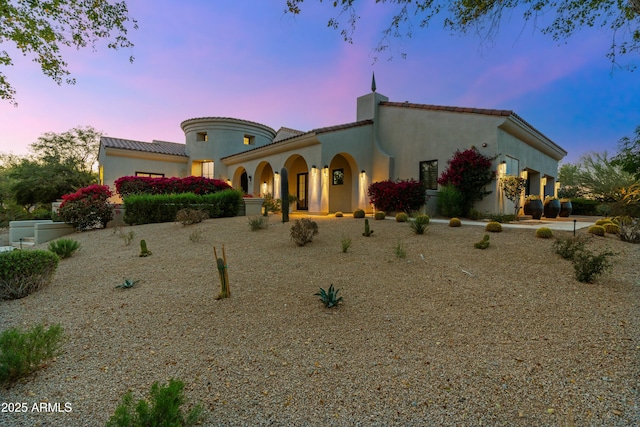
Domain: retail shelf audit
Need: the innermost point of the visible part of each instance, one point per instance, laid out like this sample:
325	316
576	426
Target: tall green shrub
469	171
449	202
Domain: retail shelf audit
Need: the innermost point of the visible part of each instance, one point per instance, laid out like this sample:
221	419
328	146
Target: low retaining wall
43	230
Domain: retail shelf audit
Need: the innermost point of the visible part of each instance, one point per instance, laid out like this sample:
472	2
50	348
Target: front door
301	191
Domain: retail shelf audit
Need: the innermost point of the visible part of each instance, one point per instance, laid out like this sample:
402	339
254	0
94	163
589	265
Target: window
429	174
202	136
150	174
207	169
513	166
249	140
338	176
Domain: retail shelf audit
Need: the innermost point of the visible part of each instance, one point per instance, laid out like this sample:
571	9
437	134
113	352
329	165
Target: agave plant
127	284
329	297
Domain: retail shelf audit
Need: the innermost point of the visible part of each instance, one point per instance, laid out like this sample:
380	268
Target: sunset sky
249	60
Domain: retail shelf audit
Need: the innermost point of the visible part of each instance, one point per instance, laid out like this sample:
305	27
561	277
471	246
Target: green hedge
24	272
147	209
584	207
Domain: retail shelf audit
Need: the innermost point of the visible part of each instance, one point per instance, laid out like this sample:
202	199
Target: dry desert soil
449	335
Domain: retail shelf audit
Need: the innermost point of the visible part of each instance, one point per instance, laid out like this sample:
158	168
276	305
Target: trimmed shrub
24	272
22	353
581	206
358	213
401	195
402	217
149	209
544	233
164	409
501	218
494	227
64	248
303	230
598	230
189	216
379	215
87	207
339	214
136	185
588	265
455	222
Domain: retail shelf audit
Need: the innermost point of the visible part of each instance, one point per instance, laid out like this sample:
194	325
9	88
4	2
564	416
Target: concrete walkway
565	224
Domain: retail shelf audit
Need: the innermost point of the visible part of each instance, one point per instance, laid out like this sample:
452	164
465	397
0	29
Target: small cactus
284	190
482	244
494	227
455	222
221	264
402	217
358	213
544	233
603	221
367	231
379	215
611	228
598	230
143	248
339	214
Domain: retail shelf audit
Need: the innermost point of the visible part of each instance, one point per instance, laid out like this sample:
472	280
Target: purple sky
200	58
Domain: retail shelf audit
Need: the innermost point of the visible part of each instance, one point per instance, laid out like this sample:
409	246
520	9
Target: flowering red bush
469	171
398	196
87	207
130	185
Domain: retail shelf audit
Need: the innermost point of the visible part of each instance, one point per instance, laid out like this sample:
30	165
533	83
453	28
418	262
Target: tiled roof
160	147
315	131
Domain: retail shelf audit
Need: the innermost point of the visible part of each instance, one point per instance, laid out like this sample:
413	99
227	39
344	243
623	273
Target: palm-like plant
329	297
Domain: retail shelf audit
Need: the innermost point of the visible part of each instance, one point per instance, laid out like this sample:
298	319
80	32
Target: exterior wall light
543	181
524	174
502	169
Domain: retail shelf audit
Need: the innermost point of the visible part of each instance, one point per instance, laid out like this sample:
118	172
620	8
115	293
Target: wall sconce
249	178
362	172
326	166
524	174
543	181
276	173
557	185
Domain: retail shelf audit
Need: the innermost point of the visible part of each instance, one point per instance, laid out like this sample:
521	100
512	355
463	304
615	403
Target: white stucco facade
330	169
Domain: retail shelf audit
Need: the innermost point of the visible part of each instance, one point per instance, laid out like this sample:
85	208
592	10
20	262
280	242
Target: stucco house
331	168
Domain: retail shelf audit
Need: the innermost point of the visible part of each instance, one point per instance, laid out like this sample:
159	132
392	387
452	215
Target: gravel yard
449	335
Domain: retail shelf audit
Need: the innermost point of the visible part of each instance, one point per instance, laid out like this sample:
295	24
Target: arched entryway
264	179
298	181
241	180
341	183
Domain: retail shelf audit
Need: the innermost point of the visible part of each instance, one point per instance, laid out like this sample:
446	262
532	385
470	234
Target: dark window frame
337	178
431	182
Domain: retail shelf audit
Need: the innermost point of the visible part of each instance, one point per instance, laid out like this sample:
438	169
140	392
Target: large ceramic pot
551	208
565	208
533	208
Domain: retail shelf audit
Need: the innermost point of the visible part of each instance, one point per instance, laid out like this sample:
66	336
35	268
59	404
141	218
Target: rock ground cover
449	335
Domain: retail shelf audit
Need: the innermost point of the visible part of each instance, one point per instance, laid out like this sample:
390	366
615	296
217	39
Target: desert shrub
346	243
195	235
598	230
127	237
149	209
420	224
482	244
544	233
22	353
455	222
567	248
494	227
24	272
87	207
136	185
399	250
358	213
449	202
603	221
258	222
339	214
379	215
402	217
189	216
630	230
303	230
270	204
329	297
611	228
475	214
401	195
588	265
64	248
501	218
164	409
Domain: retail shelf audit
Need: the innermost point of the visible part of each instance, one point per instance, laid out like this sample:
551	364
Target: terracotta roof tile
160	147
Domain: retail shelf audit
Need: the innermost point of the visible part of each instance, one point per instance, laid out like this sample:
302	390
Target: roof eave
522	130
